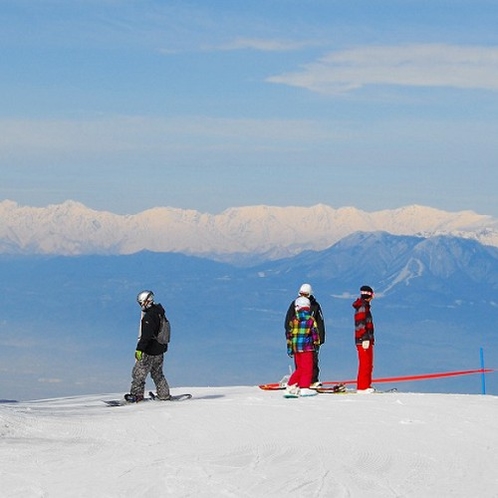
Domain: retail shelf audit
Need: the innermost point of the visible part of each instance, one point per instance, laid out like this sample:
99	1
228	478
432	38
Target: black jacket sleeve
291	313
316	313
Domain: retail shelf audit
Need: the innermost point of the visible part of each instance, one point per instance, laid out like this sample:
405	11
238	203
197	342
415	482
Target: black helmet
366	291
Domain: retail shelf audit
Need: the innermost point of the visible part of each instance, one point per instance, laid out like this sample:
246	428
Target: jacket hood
160	309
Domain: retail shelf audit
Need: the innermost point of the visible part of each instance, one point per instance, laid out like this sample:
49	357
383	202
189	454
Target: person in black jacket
316	312
149	353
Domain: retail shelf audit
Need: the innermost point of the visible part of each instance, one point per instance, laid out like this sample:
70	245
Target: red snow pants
365	367
304	369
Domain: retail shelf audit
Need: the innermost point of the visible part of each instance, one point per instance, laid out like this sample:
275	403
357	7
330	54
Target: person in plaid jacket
302	341
316	312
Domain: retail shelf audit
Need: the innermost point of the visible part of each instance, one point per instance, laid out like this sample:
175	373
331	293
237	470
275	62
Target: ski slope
245	442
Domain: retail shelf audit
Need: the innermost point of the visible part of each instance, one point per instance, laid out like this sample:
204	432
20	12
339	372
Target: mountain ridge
264	232
435	298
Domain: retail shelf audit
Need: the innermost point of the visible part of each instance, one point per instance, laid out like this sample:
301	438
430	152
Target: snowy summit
71	228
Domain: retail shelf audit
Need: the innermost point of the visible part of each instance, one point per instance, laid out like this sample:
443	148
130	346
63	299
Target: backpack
163	336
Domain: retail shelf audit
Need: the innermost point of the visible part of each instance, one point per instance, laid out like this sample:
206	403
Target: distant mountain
402	265
250	234
69	324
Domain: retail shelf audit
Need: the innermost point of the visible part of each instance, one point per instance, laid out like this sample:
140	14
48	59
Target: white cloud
431	65
114	134
263	45
49	381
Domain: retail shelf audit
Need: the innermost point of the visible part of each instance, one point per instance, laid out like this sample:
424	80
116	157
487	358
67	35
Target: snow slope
244	442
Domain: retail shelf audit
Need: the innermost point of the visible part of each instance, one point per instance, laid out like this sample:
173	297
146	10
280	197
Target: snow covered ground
244	442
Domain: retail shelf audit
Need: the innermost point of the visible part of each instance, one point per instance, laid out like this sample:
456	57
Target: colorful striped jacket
302	335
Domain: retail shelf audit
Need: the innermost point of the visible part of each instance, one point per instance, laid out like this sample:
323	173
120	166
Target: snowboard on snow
333	390
294	395
326	388
275	386
151	397
337	389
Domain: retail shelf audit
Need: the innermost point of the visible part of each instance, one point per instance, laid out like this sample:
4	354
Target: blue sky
125	105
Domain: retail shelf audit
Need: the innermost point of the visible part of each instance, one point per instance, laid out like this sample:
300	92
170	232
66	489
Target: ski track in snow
244	442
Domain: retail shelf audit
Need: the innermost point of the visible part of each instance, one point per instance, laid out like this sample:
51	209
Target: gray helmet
145	299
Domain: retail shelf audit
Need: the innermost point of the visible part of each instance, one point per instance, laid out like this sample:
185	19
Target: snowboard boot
162	397
133	398
292	391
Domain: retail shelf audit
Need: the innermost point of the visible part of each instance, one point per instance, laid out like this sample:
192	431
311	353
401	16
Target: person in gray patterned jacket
149	353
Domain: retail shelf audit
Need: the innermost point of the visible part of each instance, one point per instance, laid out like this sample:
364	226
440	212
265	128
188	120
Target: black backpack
164	334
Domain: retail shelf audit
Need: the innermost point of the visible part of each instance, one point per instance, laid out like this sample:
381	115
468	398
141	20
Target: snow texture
244	442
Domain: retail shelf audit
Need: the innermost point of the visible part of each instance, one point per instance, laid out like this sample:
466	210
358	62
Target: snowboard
327	386
292	395
275	386
333	390
336	389
151	397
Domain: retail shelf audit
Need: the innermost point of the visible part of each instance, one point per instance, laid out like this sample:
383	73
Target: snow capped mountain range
266	232
435	296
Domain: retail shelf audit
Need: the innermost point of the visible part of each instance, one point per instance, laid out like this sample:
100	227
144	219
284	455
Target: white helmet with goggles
145	299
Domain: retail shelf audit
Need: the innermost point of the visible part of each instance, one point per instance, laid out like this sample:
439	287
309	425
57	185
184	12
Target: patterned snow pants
154	366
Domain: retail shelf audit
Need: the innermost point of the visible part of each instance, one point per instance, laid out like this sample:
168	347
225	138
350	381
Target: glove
365	344
138	355
290	354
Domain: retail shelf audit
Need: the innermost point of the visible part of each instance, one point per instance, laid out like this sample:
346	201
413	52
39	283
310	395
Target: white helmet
145	299
302	303
306	290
